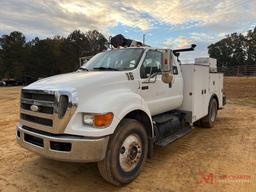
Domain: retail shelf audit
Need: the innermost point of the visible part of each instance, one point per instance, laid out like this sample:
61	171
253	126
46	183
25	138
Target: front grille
43	117
44	101
39	120
42	109
41	97
46	111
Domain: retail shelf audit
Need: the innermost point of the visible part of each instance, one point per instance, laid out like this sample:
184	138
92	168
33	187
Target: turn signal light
98	120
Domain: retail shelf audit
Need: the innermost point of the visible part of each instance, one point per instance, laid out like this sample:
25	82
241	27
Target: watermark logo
206	178
212	178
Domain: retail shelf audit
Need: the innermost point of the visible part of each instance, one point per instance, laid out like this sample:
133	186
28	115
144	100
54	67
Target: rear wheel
126	153
209	120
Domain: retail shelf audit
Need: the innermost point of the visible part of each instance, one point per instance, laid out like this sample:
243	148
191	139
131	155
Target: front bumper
63	147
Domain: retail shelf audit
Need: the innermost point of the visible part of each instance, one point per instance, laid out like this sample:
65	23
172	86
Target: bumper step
167	140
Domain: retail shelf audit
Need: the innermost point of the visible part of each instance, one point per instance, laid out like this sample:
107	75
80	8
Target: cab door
160	97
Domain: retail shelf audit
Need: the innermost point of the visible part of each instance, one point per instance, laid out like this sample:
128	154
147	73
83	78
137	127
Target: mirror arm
154	75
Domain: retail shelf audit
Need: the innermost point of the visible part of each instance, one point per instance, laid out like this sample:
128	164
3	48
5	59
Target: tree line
28	61
235	50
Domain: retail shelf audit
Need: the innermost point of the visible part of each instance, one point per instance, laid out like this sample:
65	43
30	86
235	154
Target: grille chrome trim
35	125
37	114
37	102
58	124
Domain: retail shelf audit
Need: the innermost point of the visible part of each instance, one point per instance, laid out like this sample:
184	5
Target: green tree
13	54
96	41
235	49
40	58
1	63
79	44
73	47
251	47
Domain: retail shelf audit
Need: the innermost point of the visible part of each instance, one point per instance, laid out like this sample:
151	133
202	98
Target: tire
209	120
126	153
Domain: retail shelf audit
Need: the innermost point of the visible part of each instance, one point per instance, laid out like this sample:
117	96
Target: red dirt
207	160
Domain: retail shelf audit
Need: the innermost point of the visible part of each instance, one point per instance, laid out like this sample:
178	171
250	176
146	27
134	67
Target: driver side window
151	64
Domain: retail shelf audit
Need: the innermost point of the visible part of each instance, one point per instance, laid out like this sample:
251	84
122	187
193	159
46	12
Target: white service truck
117	106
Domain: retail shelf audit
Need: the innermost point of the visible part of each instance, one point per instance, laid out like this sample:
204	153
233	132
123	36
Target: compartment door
201	91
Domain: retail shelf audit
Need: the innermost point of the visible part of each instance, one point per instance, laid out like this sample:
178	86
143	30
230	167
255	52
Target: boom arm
121	41
192	48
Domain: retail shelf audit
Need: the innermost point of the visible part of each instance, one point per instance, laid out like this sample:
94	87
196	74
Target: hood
78	79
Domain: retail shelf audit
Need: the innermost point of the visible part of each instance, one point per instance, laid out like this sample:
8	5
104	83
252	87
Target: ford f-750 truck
117	106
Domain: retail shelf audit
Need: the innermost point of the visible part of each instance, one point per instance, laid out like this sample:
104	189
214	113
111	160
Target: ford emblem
34	108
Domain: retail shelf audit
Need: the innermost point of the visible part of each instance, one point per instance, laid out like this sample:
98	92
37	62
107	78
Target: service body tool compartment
216	87
196	90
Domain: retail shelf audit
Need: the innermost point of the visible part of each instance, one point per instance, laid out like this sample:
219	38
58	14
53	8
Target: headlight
98	120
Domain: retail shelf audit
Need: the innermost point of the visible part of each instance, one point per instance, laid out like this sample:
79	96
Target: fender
214	95
120	102
142	106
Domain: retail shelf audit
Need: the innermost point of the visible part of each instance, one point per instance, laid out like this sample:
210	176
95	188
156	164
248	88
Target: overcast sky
166	23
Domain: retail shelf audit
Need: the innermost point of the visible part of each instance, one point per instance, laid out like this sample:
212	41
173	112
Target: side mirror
166	67
167	78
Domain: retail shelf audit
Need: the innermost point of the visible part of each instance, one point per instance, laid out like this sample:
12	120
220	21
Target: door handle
203	91
144	87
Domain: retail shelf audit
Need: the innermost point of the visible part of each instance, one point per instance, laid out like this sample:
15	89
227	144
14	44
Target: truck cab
116	107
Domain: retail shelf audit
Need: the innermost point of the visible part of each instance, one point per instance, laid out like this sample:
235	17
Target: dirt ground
221	159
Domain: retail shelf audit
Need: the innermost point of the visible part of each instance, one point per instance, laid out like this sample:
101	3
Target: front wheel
209	120
126	153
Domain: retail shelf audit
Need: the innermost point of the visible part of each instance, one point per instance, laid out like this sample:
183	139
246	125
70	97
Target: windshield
116	60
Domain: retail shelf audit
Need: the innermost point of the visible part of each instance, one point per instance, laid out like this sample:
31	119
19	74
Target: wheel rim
130	152
213	112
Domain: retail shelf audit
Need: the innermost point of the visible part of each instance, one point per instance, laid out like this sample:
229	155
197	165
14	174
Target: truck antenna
144	38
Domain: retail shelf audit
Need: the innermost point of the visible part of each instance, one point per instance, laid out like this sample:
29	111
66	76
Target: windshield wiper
83	69
105	69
